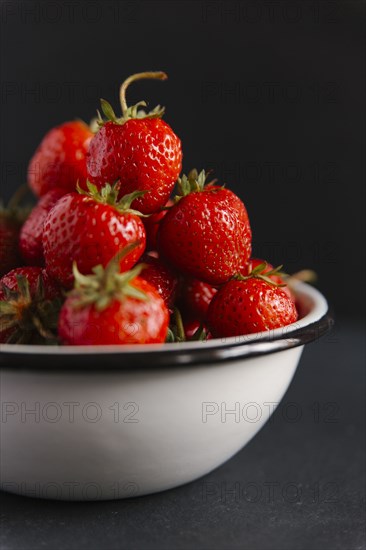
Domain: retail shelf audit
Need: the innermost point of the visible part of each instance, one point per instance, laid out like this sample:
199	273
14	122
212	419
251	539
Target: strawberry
151	224
29	306
30	240
265	267
60	159
249	304
183	330
90	227
109	307
195	297
138	149
9	235
196	330
161	277
206	234
11	220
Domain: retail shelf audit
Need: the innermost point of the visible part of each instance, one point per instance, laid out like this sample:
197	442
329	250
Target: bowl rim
317	322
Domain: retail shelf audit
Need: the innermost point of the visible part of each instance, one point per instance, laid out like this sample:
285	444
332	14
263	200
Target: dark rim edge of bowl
168	358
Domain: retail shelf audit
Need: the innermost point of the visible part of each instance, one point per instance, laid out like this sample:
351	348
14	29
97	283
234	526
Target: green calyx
176	332
259	272
33	318
135	111
108	194
104	285
193	183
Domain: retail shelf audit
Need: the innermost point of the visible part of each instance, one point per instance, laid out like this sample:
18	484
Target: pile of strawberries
109	256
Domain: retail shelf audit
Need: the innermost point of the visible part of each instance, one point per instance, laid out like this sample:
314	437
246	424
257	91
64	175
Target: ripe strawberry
249	304
60	160
195	297
30	240
89	228
161	277
182	329
9	235
265	267
29	306
109	307
11	220
196	330
138	149
151	224
206	234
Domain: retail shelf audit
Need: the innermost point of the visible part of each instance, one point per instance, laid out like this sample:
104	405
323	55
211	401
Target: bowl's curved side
75	437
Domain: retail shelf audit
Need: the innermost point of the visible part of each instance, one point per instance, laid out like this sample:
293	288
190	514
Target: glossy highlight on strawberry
195	298
109	307
60	159
89	230
121	249
248	306
274	274
30	239
152	224
207	233
162	277
139	149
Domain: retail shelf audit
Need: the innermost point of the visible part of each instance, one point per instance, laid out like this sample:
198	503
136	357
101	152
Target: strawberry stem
181	335
158	75
104	285
259	272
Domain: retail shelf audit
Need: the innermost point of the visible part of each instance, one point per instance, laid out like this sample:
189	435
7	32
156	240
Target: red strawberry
60	160
109	307
182	330
195	297
11	219
138	149
161	277
89	228
29	306
249	304
206	234
9	235
276	276
151	224
195	330
30	241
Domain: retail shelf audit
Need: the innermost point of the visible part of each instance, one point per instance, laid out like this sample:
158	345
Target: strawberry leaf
108	110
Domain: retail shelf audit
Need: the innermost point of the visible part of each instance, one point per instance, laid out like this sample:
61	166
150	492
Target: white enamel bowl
95	423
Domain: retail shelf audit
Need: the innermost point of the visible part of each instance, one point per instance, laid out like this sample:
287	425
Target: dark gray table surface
299	484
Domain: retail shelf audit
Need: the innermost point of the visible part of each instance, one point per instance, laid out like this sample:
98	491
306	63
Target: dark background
268	94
